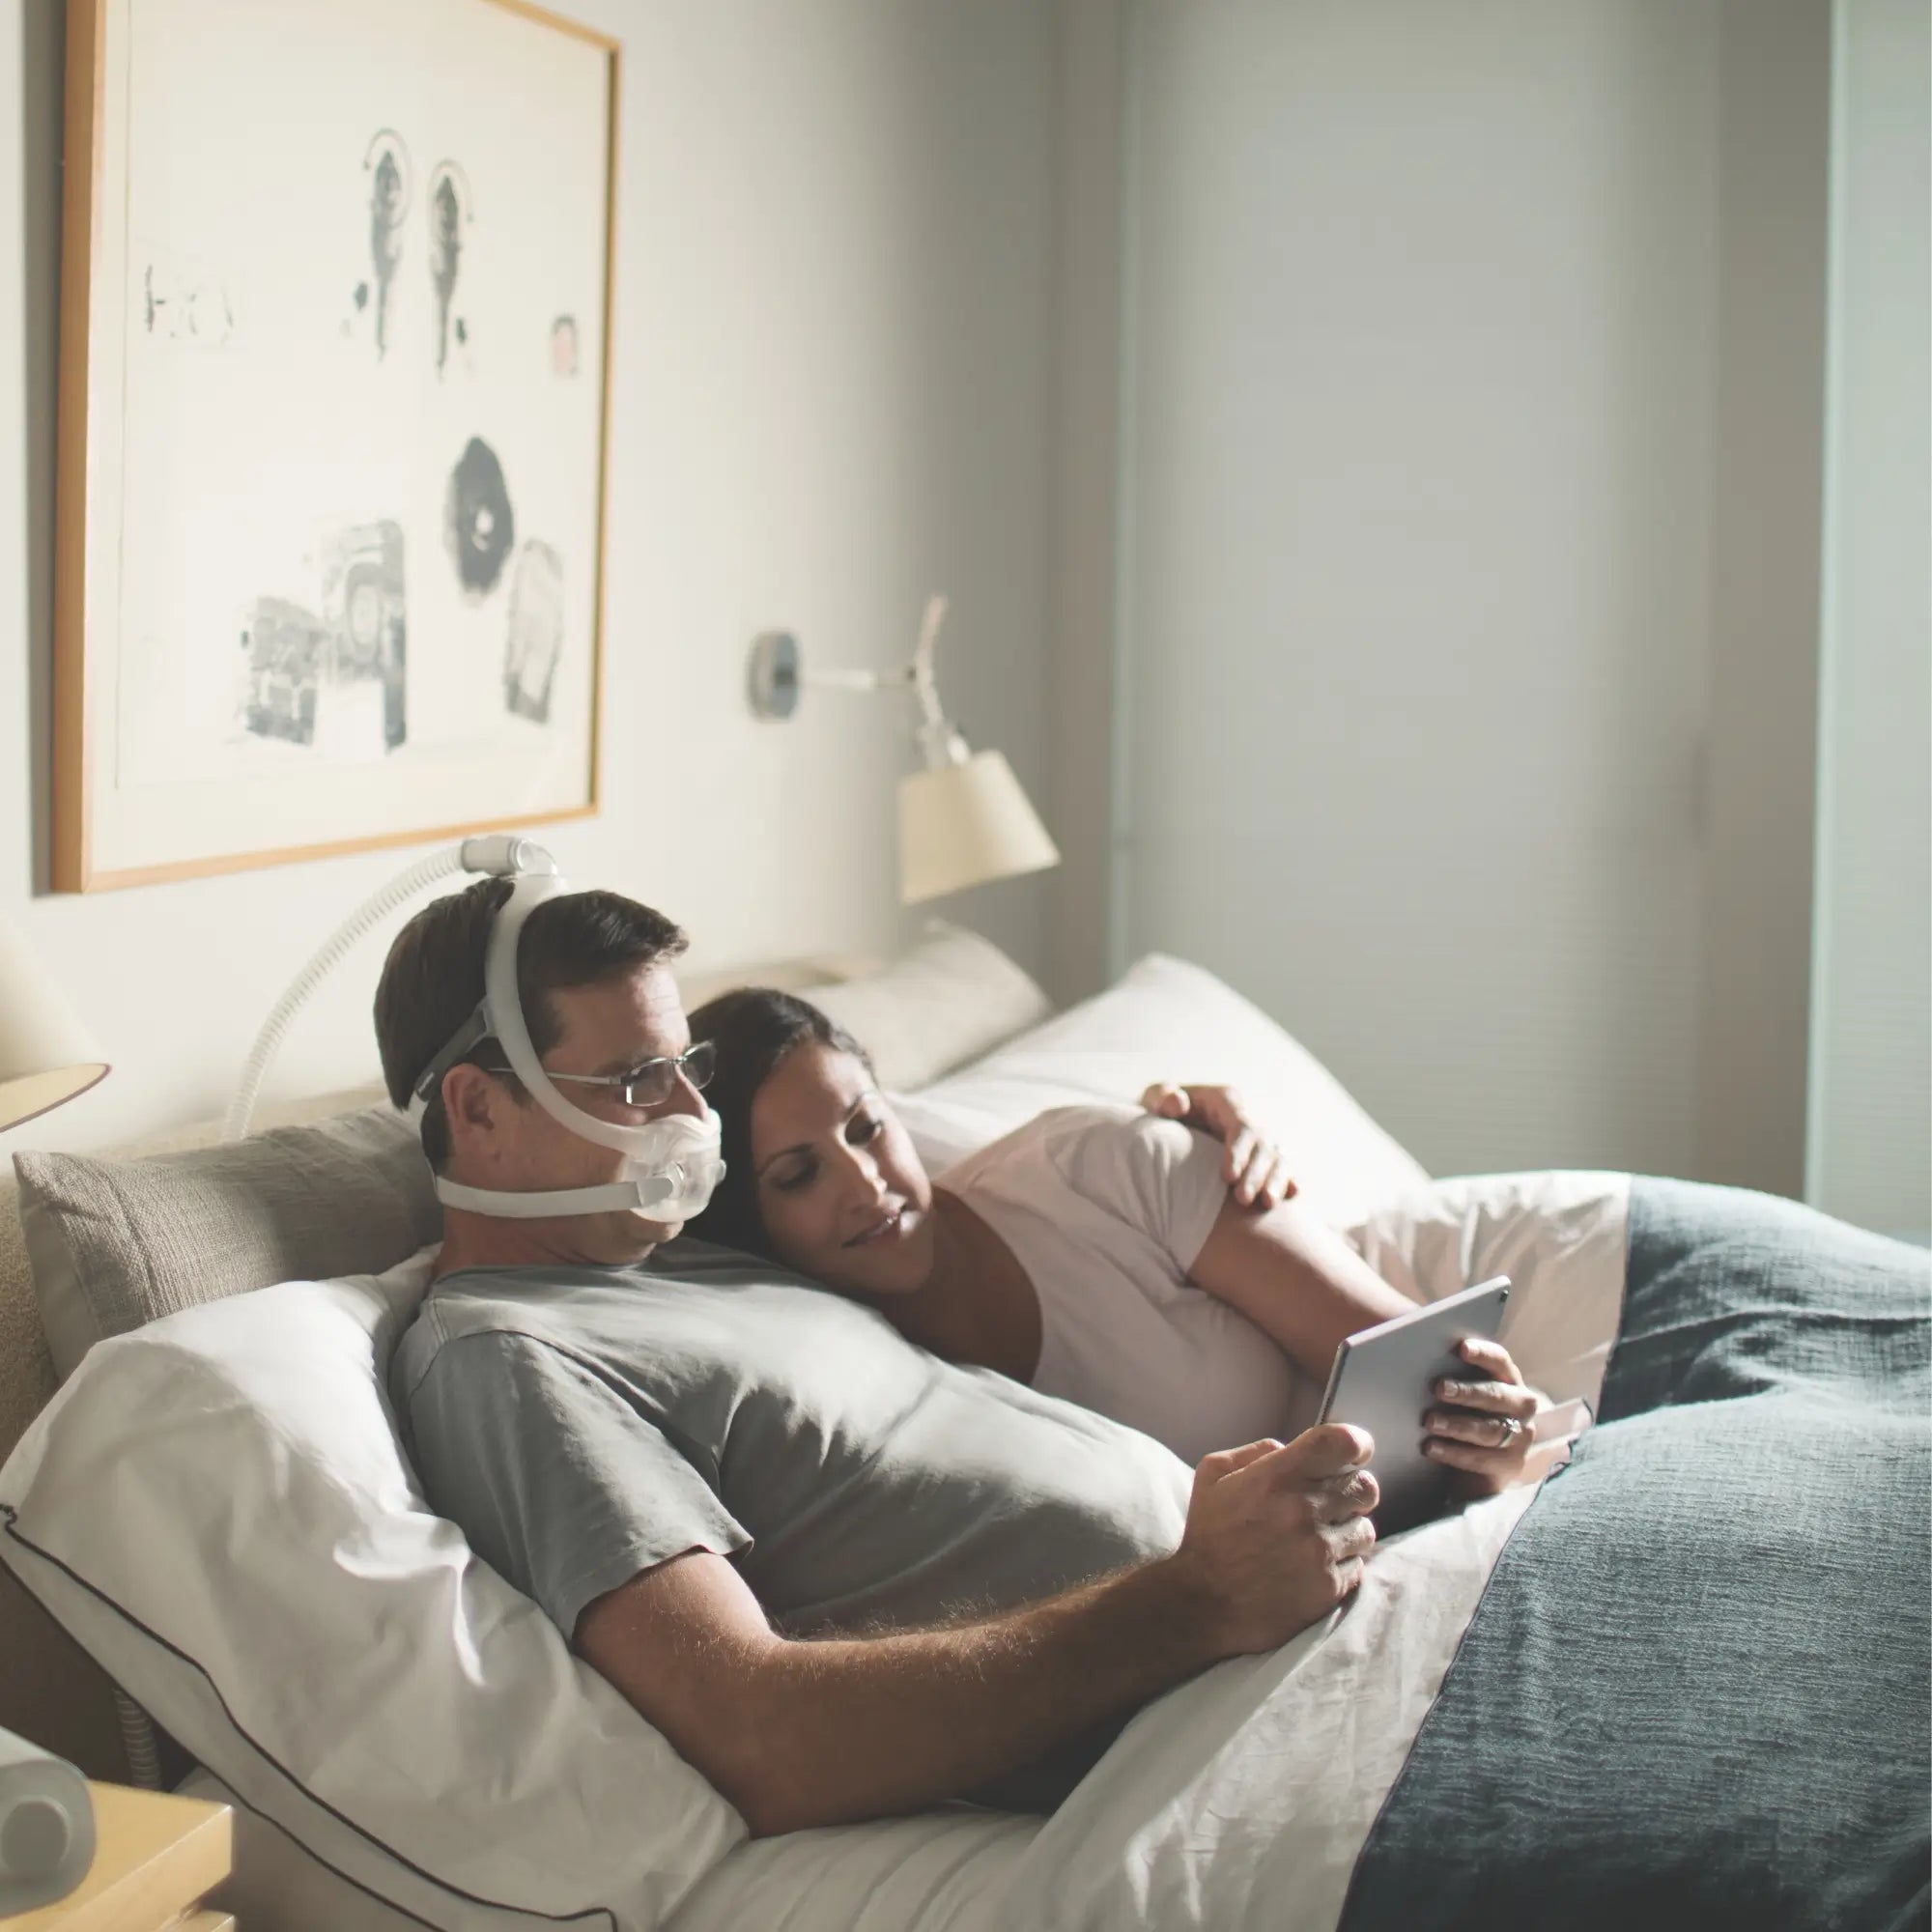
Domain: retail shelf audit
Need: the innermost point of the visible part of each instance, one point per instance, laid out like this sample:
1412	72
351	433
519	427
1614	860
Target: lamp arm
775	673
497	854
855	680
931	717
939	742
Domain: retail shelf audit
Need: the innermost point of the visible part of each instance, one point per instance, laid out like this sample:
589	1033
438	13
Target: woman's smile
888	1226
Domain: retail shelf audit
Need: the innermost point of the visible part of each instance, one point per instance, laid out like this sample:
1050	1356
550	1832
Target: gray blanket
1696	1691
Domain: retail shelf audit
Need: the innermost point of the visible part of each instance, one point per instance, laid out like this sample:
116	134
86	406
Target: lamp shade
47	1055
965	824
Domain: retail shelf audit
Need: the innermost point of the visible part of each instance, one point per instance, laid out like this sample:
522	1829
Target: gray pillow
115	1244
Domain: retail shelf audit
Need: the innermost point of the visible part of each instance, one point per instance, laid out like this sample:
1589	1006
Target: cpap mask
670	1167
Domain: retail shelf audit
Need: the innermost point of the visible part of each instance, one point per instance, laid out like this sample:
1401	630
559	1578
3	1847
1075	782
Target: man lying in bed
843	1578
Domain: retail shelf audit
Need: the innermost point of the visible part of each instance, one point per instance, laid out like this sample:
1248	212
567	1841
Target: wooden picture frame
336	308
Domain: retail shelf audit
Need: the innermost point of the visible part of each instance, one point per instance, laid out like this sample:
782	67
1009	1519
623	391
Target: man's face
608	1028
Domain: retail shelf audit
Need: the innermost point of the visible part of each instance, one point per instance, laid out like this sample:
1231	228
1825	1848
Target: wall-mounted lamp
963	820
46	1054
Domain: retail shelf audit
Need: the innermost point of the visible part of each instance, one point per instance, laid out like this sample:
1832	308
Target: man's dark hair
754	1030
433	979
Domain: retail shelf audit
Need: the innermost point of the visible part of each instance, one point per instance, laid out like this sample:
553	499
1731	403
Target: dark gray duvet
1695	1693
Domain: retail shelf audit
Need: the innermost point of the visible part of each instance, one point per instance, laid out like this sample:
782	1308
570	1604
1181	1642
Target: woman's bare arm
1299	1282
1296	1279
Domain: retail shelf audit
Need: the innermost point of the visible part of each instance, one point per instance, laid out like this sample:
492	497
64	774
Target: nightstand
156	1856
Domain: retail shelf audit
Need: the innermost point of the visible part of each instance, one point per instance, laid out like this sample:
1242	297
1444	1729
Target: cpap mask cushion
671	1166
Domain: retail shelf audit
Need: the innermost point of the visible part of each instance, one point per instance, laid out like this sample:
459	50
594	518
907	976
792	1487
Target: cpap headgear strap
671	1166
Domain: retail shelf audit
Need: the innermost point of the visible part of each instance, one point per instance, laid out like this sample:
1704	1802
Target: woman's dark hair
752	1029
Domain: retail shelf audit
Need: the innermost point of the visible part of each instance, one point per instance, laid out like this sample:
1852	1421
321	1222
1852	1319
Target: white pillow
949	997
1167	1020
217	1507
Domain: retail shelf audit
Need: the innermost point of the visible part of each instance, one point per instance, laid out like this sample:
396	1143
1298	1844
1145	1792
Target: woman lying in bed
1095	1253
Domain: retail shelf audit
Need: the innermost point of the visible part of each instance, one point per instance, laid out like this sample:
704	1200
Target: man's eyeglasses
649	1083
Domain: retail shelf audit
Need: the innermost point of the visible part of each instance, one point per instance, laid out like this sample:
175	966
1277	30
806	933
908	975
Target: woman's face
840	1191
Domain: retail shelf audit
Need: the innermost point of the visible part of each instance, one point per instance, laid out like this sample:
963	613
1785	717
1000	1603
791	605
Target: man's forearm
844	1728
819	1731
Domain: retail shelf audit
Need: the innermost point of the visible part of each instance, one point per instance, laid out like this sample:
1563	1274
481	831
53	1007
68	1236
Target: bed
1686	1679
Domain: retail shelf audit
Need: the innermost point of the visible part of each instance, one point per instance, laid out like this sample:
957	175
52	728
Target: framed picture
335	323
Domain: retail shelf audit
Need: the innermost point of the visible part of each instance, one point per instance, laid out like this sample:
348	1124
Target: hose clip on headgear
670	1166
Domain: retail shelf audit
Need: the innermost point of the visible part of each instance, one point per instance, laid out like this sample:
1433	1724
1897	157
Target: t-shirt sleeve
557	1481
1155	1175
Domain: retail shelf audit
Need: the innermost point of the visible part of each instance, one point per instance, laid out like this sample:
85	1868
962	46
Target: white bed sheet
1239	1802
942	1872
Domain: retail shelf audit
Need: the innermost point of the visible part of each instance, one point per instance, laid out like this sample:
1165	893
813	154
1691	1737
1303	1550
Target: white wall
830	397
1089	53
1761	731
1423	561
1871	1102
1421	333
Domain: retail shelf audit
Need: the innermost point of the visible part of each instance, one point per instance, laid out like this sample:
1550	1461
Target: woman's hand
1254	1167
1469	1430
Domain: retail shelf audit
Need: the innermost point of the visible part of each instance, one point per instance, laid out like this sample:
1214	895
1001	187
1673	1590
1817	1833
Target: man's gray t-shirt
583	1424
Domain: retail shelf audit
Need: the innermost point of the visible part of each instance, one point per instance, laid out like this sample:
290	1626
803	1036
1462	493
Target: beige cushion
116	1243
696	984
950	999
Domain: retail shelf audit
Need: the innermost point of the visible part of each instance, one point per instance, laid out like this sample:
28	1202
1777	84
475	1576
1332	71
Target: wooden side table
156	1857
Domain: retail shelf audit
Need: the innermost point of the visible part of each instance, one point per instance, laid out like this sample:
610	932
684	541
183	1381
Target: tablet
1384	1378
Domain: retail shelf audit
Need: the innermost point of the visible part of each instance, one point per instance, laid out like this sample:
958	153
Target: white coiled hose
500	854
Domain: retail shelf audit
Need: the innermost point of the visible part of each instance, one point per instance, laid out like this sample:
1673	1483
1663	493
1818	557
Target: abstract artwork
334	380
